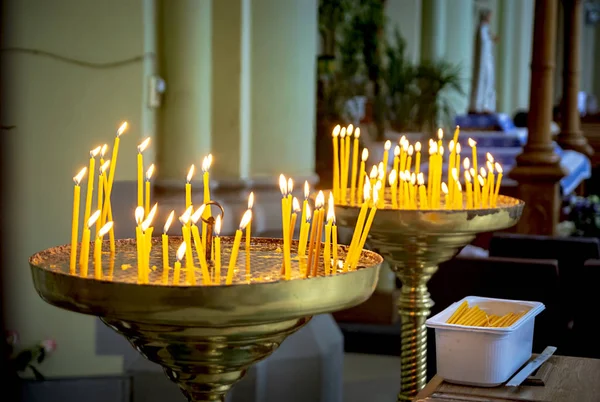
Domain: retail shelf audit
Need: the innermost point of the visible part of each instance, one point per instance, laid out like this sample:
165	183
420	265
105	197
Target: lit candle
103	182
236	246
476	190
365	232
362	214
147	230
285	220
349	131
362	174
98	250
140	170
423	202
305	202
343	167
445	191
449	178
111	178
177	268
334	238
418	158
185	231
149	173
403	152
304	227
481	182
165	248
295	210
469	186
498	180
430	174
200	247
206	163
354	167
381	179
101	188
249	234
490	167
315	232
386	157
401	180
103	150
90	188
440	136
336	162
139	242
396	164
457	163
217	233
406	189
410	152
392	178
458	197
75	225
438	177
485	188
327	249
188	186
413	191
85	244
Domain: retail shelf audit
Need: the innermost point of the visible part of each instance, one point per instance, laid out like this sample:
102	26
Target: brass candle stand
205	337
415	242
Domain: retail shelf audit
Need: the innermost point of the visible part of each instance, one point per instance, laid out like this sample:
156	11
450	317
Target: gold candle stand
205	337
415	242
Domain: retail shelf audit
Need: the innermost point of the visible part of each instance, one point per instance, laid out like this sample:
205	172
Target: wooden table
570	379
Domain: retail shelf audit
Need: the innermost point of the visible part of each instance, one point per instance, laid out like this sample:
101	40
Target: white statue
483	91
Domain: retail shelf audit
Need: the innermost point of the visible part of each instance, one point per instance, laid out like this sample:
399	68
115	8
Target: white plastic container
484	356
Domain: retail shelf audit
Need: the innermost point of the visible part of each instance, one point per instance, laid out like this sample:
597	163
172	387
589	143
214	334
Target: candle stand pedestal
204	336
415	242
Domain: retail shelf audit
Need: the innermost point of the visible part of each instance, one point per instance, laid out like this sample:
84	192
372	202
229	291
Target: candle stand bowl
204	336
415	242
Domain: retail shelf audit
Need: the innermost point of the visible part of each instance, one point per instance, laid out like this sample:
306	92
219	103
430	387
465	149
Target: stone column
538	168
571	136
433	29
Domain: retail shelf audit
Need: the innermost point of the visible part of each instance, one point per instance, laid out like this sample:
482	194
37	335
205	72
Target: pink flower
12	337
49	345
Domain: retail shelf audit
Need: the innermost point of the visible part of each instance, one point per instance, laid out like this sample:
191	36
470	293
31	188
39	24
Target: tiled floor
371	378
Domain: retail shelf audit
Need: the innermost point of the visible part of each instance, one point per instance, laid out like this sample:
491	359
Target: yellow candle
318	237
305	203
248	236
334	241
304	227
450	178
358	227
476	191
343	167
396	164
139	242
327	249
206	163
140	170
315	234
423	202
393	177
336	163
386	157
447	204
296	209
354	167
380	184
149	173
85	244
217	280
311	241
412	191
484	188
457	163
406	189
285	220
410	152
490	185
469	185
188	187
90	185
236	246
111	176
347	157
177	268
185	232
98	250
403	152
75	219
418	158
440	136
482	182
498	180
365	232
101	190
362	174
458	197
165	248
201	251
431	170
103	150
146	239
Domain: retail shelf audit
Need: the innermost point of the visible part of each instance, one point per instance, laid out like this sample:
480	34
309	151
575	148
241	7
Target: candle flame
218	224
336	131
458	186
343	132
402	140
142	147
185	218
374	171
181	251
320	200
418	146
350	129
441	150
367	190
413	178
148	222
489	157
283	185
190	174
149	172
490	166
79	176
433	149
401	176
290	185
195	217
105	229
330	212
466	163
472	142
357	133
472	171
392	177
458	149
387	145
365	154
411	150
103	150
444	188
139	215
380	171
306	190
251	200
308	215
246	219
296	205
468	177
396	150
92	220
94	152
454	174
440	134
376	195
206	162
168	222
481	181
482	172
421	179
405	146
451	146
122	128
104	166
498	168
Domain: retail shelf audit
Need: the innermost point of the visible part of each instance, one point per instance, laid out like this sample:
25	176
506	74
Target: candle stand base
204	336
414	242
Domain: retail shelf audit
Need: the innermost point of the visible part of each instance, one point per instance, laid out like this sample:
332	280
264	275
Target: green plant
27	359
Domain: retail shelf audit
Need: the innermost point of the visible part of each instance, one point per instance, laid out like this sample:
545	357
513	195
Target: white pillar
433	29
504	62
